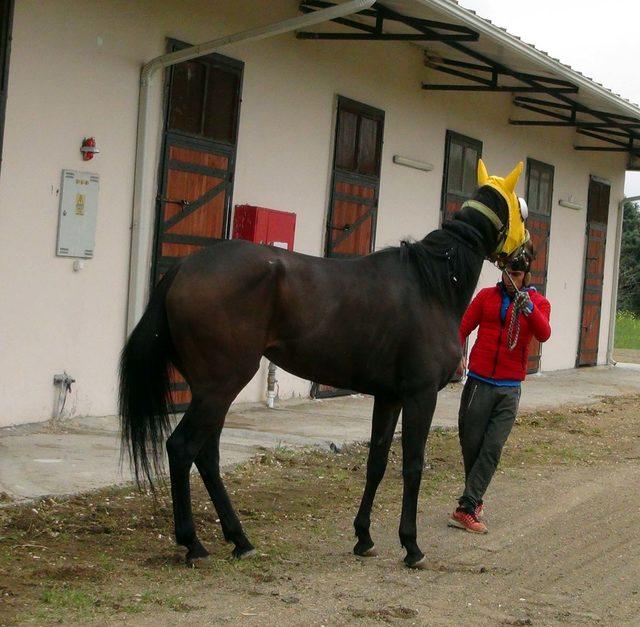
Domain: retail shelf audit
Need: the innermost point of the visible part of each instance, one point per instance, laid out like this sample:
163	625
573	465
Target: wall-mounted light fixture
570	203
413	163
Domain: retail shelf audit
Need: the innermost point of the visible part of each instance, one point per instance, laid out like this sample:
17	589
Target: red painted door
596	239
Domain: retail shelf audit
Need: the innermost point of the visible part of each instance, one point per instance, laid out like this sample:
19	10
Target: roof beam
425	28
570	116
565	101
484	73
488	82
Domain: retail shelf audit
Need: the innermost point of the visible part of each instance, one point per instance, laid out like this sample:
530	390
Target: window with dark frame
204	98
358	138
539	187
460	174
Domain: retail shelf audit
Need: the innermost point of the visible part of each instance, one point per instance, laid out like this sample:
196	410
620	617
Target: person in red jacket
491	395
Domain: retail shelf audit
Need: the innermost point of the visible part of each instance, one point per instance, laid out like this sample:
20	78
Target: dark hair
522	261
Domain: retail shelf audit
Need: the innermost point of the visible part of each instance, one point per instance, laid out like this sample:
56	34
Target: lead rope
513	332
514	328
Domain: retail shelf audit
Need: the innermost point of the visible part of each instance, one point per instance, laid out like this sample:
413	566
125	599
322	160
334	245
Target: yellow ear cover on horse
506	188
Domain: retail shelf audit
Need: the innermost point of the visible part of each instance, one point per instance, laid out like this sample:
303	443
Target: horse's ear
483	175
511	180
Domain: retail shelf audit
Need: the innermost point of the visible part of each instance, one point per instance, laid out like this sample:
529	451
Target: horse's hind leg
385	419
208	464
204	415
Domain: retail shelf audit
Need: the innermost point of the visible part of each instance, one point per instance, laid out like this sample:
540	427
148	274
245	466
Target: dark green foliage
629	283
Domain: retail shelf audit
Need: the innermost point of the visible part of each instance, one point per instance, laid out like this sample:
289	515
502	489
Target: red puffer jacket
490	356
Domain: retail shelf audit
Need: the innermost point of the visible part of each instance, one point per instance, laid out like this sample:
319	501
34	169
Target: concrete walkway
83	453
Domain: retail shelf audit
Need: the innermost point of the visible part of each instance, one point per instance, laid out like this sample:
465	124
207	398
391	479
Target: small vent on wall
88	253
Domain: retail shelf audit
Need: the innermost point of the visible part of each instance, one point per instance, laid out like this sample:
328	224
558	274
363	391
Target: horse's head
496	200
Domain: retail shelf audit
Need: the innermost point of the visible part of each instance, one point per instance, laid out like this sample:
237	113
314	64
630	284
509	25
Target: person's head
519	269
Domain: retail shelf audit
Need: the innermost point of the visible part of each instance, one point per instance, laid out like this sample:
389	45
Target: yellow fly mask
514	234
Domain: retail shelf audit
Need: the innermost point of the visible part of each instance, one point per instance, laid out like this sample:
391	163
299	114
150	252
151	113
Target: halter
491	215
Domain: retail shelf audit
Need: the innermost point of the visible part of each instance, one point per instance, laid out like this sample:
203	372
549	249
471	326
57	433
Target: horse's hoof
196	554
421	564
368	552
244	554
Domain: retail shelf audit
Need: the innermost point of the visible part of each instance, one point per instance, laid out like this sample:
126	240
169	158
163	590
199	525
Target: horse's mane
448	262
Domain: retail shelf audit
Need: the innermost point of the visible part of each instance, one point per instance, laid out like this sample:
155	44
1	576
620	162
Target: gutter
482	26
616	274
143	185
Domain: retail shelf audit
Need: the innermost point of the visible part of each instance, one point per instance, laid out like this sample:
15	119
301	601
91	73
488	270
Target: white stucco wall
75	73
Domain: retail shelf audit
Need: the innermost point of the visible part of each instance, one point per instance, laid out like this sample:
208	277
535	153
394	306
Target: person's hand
523	302
461	366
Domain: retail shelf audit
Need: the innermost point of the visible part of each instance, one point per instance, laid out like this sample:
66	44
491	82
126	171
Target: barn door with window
459	179
355	185
596	239
196	178
351	225
460	176
539	194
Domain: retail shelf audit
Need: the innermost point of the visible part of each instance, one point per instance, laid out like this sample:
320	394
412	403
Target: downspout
141	224
616	274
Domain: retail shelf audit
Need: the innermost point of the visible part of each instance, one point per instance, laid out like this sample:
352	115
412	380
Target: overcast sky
599	39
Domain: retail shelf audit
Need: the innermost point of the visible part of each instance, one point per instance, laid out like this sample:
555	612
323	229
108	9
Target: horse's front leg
417	413
385	419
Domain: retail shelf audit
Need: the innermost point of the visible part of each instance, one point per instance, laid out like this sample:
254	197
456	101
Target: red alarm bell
88	148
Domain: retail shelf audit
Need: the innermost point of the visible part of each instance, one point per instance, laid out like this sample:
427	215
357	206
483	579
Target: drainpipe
141	224
616	272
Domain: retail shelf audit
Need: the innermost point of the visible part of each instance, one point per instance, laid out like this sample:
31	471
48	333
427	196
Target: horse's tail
145	393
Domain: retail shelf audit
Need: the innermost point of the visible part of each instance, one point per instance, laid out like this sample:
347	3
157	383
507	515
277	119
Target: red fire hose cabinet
264	226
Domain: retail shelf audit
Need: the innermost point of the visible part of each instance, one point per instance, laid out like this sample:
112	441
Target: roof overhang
475	55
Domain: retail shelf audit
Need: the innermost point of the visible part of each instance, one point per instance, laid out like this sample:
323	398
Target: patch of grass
57	603
627	330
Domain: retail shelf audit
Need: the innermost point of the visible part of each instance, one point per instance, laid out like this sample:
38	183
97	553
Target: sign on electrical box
78	213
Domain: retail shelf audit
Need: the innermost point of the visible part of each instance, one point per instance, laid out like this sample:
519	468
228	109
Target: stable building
134	133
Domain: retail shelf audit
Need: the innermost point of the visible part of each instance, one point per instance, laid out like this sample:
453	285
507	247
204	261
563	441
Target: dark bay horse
385	324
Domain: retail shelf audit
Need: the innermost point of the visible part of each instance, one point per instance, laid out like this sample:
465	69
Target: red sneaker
479	511
469	522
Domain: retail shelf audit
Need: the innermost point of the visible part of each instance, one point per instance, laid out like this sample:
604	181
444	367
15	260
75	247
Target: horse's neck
471	247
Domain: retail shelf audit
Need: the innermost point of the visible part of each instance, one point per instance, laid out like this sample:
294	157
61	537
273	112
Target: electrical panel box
264	226
78	213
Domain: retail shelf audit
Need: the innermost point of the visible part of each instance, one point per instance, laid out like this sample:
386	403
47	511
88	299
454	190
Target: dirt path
563	547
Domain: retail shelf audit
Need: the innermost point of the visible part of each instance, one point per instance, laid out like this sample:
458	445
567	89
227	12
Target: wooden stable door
351	225
596	239
196	178
539	195
193	201
355	185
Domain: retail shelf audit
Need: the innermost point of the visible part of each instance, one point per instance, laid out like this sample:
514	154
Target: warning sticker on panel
80	202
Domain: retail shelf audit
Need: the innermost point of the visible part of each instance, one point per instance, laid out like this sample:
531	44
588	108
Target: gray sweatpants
487	413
